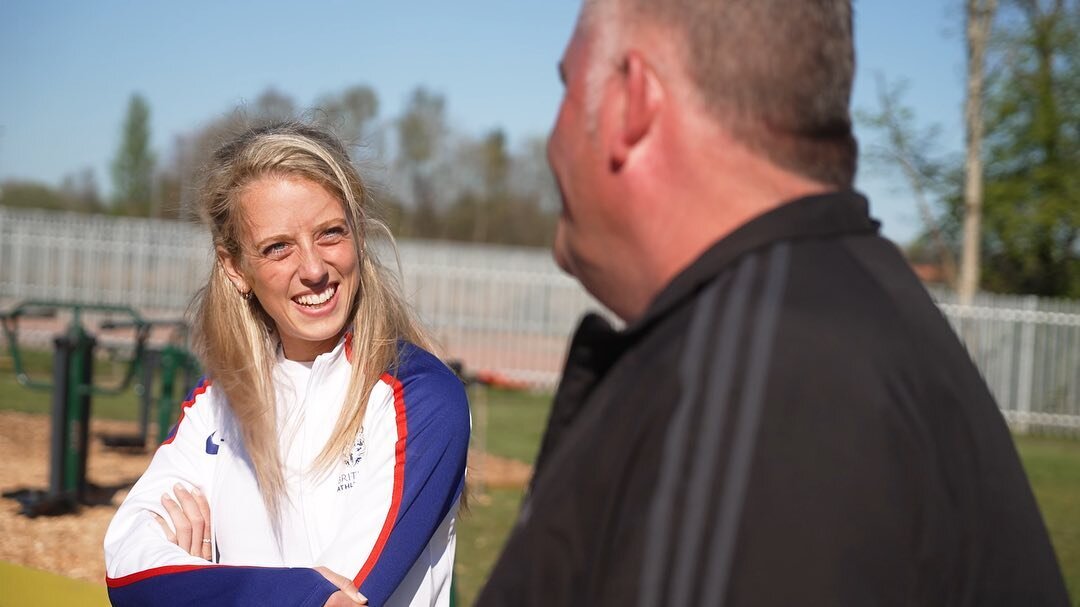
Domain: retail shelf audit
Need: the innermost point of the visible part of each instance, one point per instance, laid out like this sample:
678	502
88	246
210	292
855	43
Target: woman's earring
246	295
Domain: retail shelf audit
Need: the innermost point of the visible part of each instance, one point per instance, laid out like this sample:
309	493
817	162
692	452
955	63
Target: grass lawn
1053	467
513	423
15	397
481	533
512	426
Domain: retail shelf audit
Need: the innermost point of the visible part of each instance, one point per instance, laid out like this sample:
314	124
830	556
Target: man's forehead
576	48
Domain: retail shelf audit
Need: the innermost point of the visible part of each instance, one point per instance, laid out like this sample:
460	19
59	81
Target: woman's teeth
316	299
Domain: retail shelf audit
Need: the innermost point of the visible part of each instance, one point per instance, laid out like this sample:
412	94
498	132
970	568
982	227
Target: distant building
930	273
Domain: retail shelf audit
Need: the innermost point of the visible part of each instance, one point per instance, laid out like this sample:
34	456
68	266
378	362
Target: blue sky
68	68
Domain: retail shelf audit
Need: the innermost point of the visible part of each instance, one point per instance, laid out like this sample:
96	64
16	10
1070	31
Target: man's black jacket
792	422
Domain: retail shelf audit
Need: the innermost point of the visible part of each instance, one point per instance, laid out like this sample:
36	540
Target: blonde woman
322	459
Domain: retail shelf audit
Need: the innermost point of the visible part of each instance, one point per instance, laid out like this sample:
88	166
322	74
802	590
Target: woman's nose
313	268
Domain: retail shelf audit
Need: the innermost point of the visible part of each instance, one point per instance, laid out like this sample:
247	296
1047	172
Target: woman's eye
275	250
333	234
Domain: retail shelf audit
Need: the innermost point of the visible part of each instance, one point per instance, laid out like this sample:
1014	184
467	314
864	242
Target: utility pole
979	15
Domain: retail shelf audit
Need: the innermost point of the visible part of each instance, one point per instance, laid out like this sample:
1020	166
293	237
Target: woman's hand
347	596
190	514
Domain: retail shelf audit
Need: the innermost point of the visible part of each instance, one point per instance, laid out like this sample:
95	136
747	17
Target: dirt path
71	545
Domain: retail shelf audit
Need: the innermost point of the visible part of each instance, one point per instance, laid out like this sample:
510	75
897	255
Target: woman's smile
316	301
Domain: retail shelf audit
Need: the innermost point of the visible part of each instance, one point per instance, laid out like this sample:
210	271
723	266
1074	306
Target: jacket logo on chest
354	454
346	480
351	457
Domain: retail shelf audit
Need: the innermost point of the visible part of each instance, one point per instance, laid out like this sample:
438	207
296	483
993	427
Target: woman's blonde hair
235	338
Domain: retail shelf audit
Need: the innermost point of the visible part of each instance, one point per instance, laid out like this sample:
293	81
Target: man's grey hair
777	74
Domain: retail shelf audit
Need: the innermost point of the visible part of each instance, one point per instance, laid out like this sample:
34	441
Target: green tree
1030	233
504	193
1032	196
273	105
77	192
350	113
33	195
133	167
81	190
421	131
495	169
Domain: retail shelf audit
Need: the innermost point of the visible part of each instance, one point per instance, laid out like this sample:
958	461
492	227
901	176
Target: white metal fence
502	309
1028	350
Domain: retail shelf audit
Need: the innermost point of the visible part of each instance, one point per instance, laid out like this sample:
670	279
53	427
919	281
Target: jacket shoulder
426	385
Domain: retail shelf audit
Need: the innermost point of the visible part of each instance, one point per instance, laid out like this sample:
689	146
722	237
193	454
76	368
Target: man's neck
700	207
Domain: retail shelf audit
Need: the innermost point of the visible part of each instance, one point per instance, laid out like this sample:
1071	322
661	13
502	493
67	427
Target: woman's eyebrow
331	222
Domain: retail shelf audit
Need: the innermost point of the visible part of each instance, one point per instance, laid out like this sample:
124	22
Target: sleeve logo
211	446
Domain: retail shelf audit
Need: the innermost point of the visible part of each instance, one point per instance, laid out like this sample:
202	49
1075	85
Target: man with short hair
786	418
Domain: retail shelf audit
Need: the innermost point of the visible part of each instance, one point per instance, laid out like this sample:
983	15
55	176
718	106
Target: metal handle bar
48	308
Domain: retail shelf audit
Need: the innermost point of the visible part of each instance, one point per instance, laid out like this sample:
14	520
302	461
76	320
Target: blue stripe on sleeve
226	586
437	417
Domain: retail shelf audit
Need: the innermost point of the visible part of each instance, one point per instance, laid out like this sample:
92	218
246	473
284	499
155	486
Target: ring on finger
207	540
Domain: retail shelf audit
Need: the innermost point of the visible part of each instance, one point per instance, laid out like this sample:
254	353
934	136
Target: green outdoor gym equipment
72	387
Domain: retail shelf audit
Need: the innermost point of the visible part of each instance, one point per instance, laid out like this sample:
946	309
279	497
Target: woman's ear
232	271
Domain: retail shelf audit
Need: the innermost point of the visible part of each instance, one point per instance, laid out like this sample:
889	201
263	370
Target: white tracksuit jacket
385	516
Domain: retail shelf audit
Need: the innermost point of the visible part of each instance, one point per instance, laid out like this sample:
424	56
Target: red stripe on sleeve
399	479
149	573
187	403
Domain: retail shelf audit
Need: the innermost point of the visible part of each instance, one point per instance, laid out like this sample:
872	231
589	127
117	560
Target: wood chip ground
71	545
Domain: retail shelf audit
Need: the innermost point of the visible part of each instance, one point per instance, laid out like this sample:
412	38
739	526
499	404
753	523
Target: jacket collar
342	349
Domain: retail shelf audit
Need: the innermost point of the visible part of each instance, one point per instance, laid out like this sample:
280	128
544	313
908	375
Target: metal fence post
1027	364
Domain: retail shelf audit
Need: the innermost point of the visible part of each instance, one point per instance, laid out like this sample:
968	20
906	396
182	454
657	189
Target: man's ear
232	271
642	95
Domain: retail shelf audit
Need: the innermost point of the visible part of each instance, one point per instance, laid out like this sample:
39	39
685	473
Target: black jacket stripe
736	476
662	508
712	409
661	514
